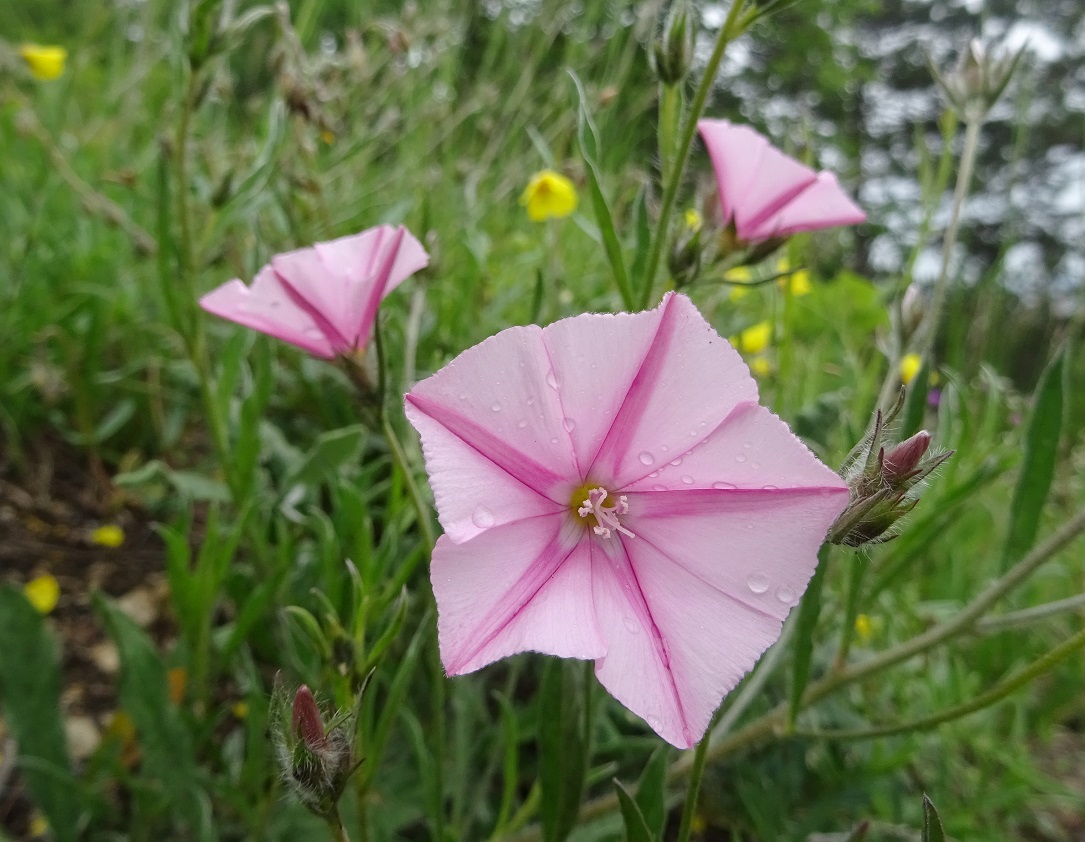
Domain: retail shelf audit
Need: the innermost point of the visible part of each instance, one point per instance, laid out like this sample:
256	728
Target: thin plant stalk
728	32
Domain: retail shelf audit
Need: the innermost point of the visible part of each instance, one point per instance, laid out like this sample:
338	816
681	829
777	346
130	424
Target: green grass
437	119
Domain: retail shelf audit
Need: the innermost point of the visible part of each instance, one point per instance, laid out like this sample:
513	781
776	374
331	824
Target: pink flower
611	489
324	298
768	194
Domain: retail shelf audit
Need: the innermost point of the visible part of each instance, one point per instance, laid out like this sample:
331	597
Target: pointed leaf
651	794
809	611
563	758
636	828
1038	465
932	824
331	451
30	692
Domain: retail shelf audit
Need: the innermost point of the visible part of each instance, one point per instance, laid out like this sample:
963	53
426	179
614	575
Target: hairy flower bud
305	720
674	48
883	481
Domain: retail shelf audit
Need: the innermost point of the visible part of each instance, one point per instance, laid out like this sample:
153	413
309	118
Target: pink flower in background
611	489
324	298
767	193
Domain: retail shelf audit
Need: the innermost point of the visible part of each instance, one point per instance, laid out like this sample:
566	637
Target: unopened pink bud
305	719
903	460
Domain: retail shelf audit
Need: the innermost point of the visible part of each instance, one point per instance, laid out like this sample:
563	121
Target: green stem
851	609
996	694
728	32
693	790
670	116
1028	616
335	824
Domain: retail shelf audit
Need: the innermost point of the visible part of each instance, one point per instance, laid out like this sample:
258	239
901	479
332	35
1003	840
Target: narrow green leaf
642	232
563	758
932	824
651	794
809	611
1038	464
589	149
636	828
30	692
329	453
510	739
163	739
915	405
195	487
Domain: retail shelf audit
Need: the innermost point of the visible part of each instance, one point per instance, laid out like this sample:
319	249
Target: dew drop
552	380
654	722
664	448
770	487
654	474
687	479
463	396
631	624
758	582
692	433
521	423
722	486
741	457
755	465
747	444
568	424
677	462
787	595
530	400
496	406
659	488
646	458
482	517
554	440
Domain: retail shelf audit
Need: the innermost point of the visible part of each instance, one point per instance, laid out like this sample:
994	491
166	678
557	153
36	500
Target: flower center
589	504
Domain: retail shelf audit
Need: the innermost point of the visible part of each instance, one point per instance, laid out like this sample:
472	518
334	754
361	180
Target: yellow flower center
589	504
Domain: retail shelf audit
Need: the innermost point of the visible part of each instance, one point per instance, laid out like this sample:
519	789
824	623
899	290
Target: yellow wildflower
549	195
863	627
240	710
760	366
43	593
328	136
110	535
738	276
39	825
909	367
797	282
754	339
45	63
694	220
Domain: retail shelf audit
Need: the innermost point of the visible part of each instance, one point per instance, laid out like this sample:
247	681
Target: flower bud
978	80
883	481
674	48
305	720
911	309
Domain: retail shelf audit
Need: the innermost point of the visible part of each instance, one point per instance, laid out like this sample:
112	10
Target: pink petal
755	179
497	399
690	380
493	602
749	449
821	205
345	279
269	307
595	358
459	472
675	646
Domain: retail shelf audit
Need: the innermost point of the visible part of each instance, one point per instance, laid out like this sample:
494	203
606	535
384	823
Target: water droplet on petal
463	396
482	517
758	582
530	400
677	462
631	624
521	423
687	479
721	486
646	458
554	440
771	487
552	380
654	722
787	595
659	488
747	444
664	448
654	474
496	406
741	457
568	424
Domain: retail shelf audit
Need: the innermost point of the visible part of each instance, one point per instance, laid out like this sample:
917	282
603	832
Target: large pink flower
324	298
768	194
611	489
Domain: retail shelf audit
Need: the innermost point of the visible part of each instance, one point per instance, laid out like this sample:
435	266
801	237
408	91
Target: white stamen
606	516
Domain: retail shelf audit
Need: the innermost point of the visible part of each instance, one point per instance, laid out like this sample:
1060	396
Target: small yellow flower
328	136
43	593
694	220
110	535
760	366
863	627
39	825
549	195
45	63
754	339
738	276
240	710
797	282
698	824
909	367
